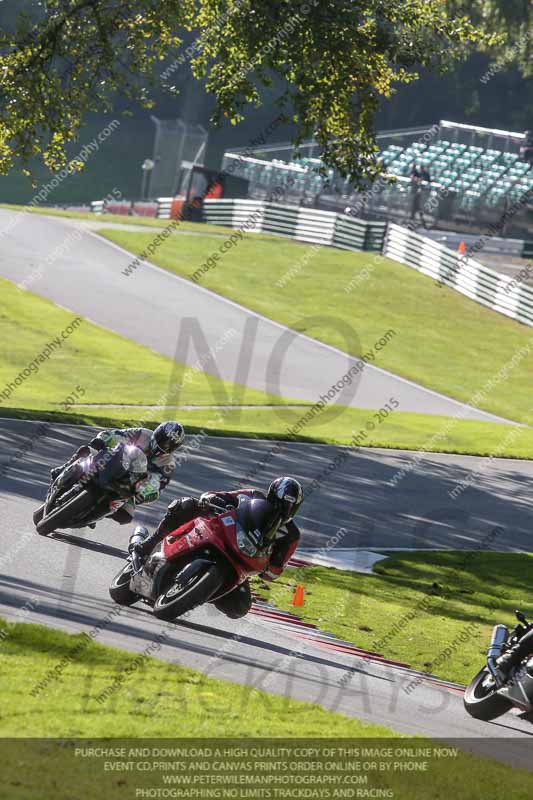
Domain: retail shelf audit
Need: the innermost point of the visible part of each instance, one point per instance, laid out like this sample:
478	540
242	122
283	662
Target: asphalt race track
68	264
66	577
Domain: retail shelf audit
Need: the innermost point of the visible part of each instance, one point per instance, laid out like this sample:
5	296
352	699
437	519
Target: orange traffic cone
298	599
462	248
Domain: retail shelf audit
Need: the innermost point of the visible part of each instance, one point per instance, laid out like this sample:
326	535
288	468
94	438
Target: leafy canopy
337	59
513	18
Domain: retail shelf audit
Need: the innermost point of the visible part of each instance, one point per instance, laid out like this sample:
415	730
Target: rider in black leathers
159	447
285	495
515	655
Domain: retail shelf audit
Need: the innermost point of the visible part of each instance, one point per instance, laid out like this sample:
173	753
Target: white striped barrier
164	206
465	275
303	224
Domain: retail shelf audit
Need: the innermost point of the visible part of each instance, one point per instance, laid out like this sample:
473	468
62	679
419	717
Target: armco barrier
303	224
492	289
465	275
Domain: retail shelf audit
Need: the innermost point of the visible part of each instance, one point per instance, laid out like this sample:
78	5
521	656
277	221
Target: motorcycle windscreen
257	523
121	463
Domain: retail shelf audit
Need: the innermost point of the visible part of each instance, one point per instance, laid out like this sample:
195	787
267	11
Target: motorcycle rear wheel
120	590
481	704
198	589
63	516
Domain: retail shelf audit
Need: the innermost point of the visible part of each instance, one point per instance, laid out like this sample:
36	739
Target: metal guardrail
465	275
509	296
303	224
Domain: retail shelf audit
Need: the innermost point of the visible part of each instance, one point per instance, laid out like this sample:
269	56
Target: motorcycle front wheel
64	516
194	585
120	590
481	701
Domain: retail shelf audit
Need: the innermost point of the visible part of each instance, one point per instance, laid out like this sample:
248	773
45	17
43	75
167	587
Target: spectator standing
526	151
424	173
416	194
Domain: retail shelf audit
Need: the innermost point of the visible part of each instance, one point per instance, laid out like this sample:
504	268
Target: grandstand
476	175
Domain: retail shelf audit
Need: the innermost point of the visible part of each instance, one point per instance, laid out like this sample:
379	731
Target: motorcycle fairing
219	532
519	690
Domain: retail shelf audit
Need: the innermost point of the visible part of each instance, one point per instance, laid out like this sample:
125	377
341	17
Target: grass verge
91	364
148	222
97	377
200	228
438	334
402	431
170	700
416	605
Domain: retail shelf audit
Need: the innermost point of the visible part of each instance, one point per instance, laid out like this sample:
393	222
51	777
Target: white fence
492	289
465	275
303	224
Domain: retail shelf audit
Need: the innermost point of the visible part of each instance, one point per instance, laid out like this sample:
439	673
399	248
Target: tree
513	18
338	58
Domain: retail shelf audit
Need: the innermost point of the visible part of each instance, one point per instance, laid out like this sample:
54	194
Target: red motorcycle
200	561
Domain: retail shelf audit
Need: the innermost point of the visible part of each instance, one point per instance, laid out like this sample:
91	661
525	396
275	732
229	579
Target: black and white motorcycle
91	488
487	696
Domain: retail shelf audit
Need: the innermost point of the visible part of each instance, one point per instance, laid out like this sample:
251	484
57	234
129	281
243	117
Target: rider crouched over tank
158	463
284	495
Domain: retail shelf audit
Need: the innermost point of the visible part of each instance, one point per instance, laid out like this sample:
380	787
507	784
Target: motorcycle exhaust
499	637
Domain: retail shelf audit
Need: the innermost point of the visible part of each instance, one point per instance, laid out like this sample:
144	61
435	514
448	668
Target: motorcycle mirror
521	617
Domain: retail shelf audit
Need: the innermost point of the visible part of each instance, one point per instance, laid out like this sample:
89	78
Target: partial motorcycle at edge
488	695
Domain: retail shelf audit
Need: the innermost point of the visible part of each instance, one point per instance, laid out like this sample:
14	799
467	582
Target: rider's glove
146	496
206	498
146	490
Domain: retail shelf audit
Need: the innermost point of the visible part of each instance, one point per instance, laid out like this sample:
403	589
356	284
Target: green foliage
73	59
338	58
443	593
513	18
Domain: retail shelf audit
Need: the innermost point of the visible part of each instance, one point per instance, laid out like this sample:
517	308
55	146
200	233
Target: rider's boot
178	513
135	547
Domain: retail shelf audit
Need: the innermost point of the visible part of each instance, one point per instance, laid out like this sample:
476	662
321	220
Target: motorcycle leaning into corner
91	488
199	562
488	696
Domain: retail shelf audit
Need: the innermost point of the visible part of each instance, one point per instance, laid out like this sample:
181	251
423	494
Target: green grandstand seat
469	200
495	197
486	160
